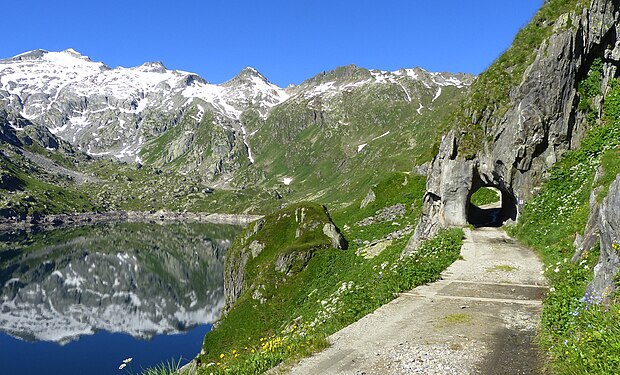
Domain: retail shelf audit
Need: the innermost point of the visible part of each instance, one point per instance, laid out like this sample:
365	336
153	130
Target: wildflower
222	355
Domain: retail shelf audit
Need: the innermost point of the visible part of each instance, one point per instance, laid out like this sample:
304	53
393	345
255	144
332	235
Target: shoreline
90	218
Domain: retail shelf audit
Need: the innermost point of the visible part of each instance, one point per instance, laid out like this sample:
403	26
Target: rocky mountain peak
339	75
76	54
30	55
152	67
247	75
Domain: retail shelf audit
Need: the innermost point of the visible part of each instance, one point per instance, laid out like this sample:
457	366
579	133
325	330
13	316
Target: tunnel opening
489	206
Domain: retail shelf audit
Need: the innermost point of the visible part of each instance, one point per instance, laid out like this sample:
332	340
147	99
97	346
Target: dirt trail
481	318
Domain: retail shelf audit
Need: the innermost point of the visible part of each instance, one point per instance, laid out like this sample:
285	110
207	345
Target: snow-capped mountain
350	77
114	111
171	118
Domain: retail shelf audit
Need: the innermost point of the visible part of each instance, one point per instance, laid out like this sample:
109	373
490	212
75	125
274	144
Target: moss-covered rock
277	246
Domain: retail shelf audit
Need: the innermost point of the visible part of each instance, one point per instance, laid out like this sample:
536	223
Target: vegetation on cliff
581	335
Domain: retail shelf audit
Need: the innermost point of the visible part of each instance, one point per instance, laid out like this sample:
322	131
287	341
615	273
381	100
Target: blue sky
286	40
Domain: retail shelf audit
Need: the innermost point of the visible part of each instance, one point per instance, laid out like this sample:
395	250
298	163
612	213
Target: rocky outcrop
603	227
283	242
370	197
234	270
542	121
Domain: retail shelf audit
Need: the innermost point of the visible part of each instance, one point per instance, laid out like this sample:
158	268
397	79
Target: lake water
80	300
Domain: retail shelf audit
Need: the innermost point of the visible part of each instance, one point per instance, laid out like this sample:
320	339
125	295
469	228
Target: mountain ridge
150	114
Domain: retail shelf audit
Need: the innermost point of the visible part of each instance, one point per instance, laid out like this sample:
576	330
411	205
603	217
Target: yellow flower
222	355
252	350
234	351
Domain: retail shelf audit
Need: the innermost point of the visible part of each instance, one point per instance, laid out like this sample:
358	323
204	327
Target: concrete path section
480	318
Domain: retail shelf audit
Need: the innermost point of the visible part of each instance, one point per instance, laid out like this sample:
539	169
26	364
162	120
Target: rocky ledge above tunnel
513	144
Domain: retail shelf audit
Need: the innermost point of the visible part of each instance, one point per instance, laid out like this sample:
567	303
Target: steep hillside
36	174
523	114
294	280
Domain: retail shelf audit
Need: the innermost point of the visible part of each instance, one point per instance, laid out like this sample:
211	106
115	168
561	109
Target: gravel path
481	318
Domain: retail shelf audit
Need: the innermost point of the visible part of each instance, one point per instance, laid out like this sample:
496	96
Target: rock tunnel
490	213
460	182
489	204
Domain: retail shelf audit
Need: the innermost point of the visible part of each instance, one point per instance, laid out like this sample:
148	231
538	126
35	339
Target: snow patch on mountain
75	96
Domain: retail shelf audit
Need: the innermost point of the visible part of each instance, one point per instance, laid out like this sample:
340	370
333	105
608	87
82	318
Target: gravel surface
481	318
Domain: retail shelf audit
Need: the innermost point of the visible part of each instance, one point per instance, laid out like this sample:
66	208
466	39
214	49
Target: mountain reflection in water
135	278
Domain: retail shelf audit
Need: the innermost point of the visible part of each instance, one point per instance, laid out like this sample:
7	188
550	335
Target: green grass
32	195
320	140
334	288
484	196
580	337
165	368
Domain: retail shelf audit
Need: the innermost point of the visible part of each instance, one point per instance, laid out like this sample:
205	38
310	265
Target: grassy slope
336	288
484	196
319	141
580	337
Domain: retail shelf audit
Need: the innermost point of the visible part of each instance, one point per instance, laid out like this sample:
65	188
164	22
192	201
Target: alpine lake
81	300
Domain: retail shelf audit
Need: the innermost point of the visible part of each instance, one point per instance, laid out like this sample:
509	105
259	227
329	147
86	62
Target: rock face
603	226
121	111
541	123
234	271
